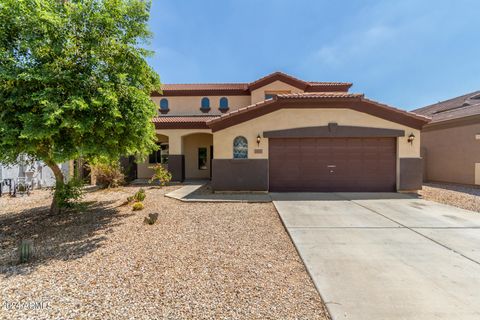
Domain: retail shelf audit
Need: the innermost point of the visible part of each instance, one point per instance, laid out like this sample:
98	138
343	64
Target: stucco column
176	159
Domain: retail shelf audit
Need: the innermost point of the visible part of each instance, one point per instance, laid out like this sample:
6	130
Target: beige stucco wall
175	138
191	104
453	154
191	143
259	94
143	170
297	118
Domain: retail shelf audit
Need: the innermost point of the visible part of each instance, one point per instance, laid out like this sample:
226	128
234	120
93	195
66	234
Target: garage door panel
332	164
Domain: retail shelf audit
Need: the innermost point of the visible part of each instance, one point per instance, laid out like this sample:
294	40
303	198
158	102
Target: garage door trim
334	130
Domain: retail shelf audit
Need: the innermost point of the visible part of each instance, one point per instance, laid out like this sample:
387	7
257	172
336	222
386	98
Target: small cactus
137	206
151	219
25	251
140	195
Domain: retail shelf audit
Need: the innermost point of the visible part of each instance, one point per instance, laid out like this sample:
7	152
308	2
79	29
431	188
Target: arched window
240	148
205	103
223	103
164	104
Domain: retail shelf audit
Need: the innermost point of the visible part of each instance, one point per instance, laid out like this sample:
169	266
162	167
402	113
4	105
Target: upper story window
205	105
240	148
164	104
273	94
223	103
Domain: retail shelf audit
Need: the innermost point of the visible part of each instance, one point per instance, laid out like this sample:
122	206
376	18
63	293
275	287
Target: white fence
34	173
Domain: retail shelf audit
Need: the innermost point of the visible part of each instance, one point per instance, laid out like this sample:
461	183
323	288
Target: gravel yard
465	197
199	261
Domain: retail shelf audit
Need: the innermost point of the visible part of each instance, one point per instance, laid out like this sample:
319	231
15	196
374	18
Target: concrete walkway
192	193
387	256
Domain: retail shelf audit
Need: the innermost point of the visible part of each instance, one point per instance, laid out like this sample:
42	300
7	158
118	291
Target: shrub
137	206
151	219
68	194
161	174
140	195
108	175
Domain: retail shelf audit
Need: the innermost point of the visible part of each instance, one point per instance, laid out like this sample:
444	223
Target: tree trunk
59	181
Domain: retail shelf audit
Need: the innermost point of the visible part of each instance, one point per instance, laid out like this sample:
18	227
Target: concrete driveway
387	256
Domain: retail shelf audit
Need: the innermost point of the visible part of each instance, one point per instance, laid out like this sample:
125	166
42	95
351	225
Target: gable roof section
246	88
340	100
453	109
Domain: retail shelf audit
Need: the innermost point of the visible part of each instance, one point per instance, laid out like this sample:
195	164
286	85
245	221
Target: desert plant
67	194
108	175
151	219
161	174
140	195
137	206
25	251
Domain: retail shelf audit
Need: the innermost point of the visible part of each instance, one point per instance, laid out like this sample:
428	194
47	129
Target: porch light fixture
411	137
258	139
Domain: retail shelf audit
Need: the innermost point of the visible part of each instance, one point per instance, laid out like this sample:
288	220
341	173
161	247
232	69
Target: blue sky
407	53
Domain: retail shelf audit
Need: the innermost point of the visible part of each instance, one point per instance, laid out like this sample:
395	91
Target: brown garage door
332	164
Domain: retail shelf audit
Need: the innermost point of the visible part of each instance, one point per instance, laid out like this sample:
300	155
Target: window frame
202	165
236	152
223	106
274	93
205	104
164	107
160	156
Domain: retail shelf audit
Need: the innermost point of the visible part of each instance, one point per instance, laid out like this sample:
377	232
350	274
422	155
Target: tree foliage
74	81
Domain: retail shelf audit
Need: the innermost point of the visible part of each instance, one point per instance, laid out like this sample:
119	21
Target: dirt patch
199	260
465	197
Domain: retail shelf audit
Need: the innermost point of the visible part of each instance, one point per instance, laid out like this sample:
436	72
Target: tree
74	81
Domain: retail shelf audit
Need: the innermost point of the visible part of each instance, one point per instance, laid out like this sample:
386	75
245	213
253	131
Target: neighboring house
451	141
36	173
280	133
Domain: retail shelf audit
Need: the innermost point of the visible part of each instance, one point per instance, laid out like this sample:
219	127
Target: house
280	133
32	172
451	141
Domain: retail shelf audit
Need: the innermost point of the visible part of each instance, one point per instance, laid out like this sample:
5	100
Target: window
159	156
240	148
269	96
164	104
223	103
202	159
205	104
273	94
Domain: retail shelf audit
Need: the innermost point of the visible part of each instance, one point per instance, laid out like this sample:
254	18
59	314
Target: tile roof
456	108
244	88
205	86
322	96
182	122
319	95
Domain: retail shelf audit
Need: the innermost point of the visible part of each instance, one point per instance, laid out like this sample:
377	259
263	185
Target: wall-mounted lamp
258	140
411	137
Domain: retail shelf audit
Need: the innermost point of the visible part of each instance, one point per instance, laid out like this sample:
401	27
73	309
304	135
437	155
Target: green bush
140	195
137	206
161	174
68	194
108	175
